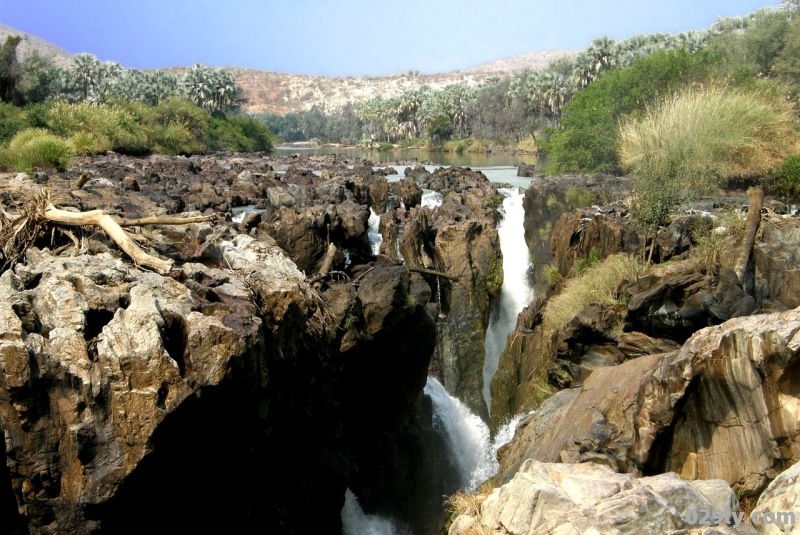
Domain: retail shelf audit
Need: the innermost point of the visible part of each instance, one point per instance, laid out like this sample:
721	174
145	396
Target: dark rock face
527	170
227	383
547	199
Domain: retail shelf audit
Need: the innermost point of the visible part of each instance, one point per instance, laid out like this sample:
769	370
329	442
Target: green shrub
785	180
585	264
703	136
34	148
383	146
588	138
119	125
85	144
258	134
12	120
224	136
552	275
578	198
596	285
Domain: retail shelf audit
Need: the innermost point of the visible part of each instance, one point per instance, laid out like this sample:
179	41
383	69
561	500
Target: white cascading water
469	444
375	238
431	198
356	522
516	292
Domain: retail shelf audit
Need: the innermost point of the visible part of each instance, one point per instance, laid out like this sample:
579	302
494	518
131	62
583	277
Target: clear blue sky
347	37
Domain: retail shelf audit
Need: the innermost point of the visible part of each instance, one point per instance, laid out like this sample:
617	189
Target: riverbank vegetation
49	114
572	110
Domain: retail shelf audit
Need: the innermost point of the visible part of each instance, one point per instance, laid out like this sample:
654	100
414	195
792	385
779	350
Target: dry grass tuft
596	285
710	134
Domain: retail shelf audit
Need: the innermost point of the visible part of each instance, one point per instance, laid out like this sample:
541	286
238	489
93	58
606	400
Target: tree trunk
114	231
755	197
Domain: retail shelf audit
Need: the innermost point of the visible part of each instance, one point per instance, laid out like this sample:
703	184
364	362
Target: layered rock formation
230	395
590	498
720	408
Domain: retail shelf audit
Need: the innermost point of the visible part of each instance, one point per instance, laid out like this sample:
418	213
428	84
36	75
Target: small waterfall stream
516	292
375	238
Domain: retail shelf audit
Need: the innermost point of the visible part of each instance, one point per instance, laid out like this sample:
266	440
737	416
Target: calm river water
497	167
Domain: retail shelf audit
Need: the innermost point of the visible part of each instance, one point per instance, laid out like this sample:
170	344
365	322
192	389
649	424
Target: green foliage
578	198
259	135
587	263
10	71
552	275
86	144
440	128
596	285
552	201
221	135
545	231
34	148
12	120
383	146
785	180
588	139
700	137
409	302
349	321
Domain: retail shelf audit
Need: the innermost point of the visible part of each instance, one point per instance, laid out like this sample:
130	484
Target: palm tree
84	71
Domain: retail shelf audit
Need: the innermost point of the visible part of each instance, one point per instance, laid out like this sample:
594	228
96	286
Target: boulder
722	407
588	498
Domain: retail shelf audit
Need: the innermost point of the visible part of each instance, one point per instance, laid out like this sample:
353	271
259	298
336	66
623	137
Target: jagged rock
782	495
674	307
588	498
546	200
720	408
408	190
379	195
776	254
527	170
470	251
415	243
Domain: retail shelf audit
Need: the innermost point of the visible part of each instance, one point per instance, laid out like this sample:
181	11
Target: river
500	168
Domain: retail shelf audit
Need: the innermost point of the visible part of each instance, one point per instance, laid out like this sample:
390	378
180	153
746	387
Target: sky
347	37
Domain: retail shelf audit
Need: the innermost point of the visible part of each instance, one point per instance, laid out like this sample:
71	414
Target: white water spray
375	238
469	445
516	292
431	198
356	522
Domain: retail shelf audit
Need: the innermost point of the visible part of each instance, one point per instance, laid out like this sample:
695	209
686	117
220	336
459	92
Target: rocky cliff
232	394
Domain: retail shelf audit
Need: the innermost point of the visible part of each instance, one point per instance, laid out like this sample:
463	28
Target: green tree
10	71
440	128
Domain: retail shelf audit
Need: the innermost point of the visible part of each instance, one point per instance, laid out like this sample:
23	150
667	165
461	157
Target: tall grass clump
598	284
33	148
118	125
702	136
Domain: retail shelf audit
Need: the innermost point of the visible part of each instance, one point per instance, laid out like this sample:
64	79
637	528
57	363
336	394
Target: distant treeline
569	114
49	114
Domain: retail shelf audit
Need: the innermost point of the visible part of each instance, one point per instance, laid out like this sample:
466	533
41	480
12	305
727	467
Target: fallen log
433	273
164	220
114	231
755	198
327	263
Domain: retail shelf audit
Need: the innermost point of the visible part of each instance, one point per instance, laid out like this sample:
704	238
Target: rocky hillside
30	42
281	92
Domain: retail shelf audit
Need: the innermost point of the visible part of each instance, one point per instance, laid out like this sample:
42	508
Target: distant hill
30	42
283	92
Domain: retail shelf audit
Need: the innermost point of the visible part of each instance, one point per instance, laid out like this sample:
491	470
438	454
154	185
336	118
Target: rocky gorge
314	359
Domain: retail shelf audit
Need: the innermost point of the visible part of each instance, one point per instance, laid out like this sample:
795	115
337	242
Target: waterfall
516	292
431	198
375	238
470	448
356	522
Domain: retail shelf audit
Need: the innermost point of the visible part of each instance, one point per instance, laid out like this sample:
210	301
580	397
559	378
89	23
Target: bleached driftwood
114	231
